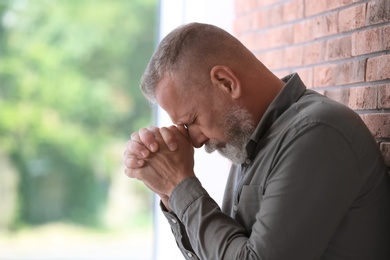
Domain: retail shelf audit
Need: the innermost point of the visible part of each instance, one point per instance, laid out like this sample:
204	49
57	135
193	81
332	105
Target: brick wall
340	48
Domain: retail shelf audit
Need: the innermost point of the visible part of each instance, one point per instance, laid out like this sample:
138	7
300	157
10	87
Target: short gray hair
190	48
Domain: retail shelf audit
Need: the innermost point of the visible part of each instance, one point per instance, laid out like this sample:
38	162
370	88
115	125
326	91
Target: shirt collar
290	93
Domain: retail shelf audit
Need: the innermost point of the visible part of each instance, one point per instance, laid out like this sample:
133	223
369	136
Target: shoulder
313	108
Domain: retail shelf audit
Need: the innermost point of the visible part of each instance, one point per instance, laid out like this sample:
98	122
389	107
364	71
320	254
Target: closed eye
192	121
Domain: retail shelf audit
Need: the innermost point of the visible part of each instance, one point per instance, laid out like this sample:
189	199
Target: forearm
212	233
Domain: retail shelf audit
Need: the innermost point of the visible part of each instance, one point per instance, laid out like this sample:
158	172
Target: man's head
190	52
207	80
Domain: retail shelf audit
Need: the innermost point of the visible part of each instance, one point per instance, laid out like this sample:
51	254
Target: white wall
211	169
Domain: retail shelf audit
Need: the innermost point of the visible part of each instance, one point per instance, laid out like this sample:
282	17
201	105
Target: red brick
314	53
324	75
261	41
334	4
386	37
320	6
272	59
293	56
324	25
275	15
285	35
352	18
367	41
363	98
239	25
262	19
339	74
280	36
379	124
378	68
350	72
314	7
293	10
249	40
385	149
306	74
302	31
253	22
248	22
339	95
244	6
378	11
272	2
339	48
239	6
384	96
264	3
283	73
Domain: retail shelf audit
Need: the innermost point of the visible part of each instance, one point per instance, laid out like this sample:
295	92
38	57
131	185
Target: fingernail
144	153
140	162
153	147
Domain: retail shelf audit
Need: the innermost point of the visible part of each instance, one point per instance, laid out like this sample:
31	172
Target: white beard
239	127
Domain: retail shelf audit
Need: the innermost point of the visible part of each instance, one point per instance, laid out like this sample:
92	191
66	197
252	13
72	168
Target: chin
234	154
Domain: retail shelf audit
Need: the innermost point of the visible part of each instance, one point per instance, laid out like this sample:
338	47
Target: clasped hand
160	157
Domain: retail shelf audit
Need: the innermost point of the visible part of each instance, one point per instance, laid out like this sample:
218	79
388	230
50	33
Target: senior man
307	180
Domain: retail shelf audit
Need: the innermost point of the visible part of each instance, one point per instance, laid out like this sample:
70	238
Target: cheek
212	122
214	129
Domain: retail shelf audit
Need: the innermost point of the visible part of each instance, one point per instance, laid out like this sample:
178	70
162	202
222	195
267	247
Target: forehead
171	98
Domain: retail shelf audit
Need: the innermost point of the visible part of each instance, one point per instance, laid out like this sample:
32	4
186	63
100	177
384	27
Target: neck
261	88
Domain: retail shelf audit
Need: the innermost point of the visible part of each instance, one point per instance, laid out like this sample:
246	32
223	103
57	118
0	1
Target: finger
180	132
158	137
133	163
147	137
136	149
183	130
168	138
130	173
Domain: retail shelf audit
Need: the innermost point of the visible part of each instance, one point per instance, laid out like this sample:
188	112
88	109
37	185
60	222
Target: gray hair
192	50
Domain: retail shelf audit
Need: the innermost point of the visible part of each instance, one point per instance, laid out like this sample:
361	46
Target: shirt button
174	221
248	161
235	207
189	254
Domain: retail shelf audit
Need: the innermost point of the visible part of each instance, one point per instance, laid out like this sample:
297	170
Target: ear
224	78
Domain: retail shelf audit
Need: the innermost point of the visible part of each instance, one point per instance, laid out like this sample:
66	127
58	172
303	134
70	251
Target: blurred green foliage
69	77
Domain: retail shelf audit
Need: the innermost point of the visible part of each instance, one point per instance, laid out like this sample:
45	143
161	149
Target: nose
196	136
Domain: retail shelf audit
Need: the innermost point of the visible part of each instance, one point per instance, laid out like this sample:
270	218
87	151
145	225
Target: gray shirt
314	186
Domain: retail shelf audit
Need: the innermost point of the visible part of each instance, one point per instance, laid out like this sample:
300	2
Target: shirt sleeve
180	234
312	184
